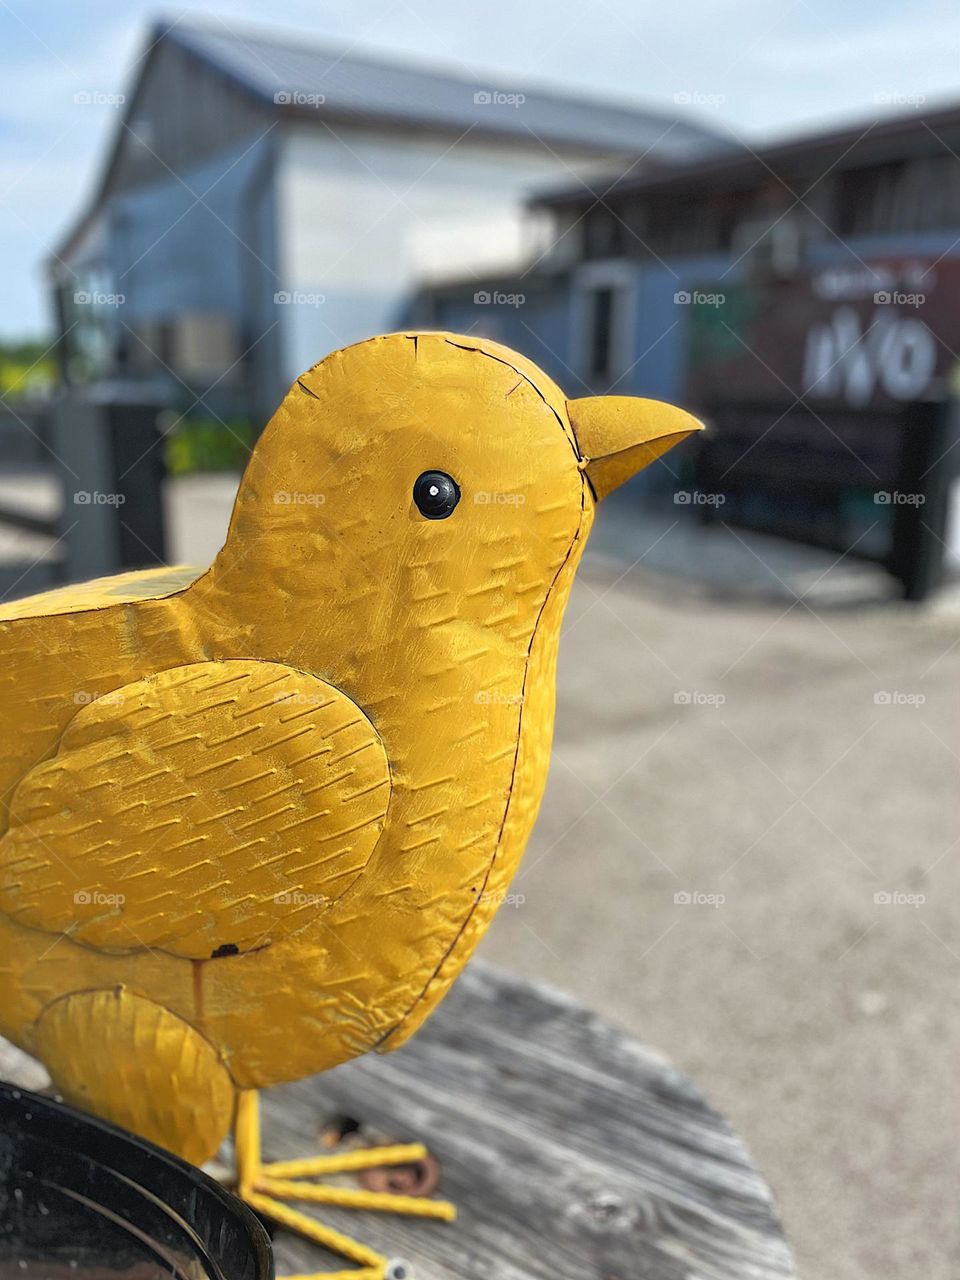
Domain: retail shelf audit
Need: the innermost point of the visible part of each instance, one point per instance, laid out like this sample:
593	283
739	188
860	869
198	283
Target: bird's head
435	479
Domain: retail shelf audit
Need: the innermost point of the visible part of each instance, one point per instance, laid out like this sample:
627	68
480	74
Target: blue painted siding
204	244
175	245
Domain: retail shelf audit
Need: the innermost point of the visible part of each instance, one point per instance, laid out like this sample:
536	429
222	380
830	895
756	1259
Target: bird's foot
265	1187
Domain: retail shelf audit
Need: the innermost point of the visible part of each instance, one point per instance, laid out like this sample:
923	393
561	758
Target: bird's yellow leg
265	1186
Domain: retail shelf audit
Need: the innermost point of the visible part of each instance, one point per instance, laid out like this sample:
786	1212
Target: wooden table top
572	1151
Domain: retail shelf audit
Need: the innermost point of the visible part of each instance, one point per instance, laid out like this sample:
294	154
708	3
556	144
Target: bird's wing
207	809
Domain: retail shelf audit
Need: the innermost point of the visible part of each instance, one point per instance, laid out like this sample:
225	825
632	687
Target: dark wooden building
805	296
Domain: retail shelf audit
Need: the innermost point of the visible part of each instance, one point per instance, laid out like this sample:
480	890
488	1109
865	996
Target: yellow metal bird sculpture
256	819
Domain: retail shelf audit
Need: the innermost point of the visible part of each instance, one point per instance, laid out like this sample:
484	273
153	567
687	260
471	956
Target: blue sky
767	67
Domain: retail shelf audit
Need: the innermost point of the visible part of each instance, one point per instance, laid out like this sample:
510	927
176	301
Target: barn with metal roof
266	200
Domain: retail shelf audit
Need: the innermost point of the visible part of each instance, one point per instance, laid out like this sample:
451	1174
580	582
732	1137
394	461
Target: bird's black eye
436	494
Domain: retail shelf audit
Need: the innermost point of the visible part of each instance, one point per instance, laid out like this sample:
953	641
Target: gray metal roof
272	66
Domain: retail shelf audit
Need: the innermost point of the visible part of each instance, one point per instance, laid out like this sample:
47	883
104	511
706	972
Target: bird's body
256	819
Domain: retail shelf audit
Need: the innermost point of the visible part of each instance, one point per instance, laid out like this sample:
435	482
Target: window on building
602	234
601	318
88	308
602	323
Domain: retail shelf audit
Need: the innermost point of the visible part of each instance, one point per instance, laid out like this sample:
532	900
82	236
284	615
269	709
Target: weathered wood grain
572	1151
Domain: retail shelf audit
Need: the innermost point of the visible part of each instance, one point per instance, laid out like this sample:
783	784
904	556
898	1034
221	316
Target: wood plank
572	1151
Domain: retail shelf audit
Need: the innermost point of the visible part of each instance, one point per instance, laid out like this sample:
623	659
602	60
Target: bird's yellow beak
620	435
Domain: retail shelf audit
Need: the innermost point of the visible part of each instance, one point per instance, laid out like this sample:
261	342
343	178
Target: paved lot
752	745
706	871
